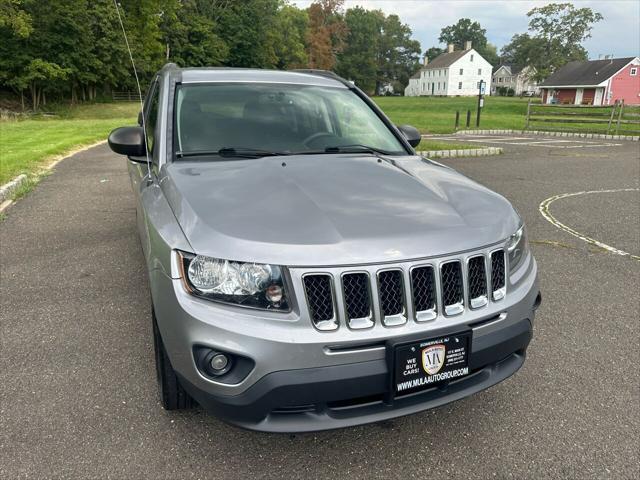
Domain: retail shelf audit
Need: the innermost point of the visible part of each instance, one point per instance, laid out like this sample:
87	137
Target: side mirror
411	134
128	141
140	118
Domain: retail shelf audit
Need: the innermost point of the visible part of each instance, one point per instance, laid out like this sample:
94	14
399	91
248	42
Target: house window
500	79
479	71
634	72
478	85
459	85
472	57
461	71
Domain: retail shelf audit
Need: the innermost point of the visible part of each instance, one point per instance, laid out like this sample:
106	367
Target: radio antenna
135	72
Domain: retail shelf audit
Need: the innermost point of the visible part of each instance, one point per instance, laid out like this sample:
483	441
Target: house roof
416	75
589	73
512	69
445	59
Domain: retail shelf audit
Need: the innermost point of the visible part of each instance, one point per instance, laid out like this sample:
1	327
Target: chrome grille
452	293
395	295
423	287
391	295
477	281
497	275
357	300
319	295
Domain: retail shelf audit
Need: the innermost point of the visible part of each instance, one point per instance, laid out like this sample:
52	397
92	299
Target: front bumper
306	380
346	395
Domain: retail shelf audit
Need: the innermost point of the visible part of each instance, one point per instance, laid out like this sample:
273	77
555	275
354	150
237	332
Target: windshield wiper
356	148
232	152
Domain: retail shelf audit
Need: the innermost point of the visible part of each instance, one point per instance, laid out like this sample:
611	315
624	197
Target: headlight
517	249
250	284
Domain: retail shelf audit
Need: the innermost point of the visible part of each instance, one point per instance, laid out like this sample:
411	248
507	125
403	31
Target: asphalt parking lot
78	396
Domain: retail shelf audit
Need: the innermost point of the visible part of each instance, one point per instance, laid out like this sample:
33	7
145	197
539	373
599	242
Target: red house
595	82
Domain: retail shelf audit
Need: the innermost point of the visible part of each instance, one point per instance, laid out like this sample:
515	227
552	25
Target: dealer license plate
424	364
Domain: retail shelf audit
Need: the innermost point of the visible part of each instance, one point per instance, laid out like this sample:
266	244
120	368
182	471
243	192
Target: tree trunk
22	99
44	98
34	96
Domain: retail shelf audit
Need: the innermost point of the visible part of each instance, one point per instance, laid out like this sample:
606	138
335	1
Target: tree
524	50
359	59
466	30
190	37
563	23
246	28
559	29
288	37
378	50
398	54
433	52
13	17
326	33
39	75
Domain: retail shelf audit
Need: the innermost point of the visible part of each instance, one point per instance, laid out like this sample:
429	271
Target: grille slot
498	288
391	295
319	292
423	285
357	300
452	293
477	281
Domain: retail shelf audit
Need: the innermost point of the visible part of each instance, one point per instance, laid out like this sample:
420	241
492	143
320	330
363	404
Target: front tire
172	395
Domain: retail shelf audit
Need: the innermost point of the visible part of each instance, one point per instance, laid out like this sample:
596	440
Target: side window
152	115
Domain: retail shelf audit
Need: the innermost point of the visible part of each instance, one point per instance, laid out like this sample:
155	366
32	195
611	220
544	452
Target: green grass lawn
27	145
427	144
438	114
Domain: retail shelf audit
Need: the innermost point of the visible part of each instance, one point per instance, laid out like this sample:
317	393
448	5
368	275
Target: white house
521	80
451	74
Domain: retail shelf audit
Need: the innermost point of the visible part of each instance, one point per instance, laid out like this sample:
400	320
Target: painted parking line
544	211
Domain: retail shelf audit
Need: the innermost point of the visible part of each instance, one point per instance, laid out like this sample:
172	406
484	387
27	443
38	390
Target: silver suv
308	269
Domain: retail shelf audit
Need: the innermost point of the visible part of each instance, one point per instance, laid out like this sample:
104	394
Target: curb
469	152
8	188
602	136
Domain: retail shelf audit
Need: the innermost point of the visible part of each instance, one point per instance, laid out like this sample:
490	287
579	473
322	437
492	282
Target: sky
618	34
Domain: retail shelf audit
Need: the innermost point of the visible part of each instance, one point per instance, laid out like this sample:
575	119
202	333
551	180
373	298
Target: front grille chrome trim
325	325
499	293
448	289
429	314
358	323
457	307
395	319
481	298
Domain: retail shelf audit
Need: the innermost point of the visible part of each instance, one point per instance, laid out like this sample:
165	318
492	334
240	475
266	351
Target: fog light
219	362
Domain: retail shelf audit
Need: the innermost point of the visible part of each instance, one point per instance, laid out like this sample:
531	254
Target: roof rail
324	73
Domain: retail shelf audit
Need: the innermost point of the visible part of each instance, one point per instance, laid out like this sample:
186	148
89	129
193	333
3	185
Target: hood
332	209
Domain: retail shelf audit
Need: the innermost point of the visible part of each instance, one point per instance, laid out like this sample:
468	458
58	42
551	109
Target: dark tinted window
278	117
152	115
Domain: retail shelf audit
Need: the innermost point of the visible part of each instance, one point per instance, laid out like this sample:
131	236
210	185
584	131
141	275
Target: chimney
450	48
467	45
426	60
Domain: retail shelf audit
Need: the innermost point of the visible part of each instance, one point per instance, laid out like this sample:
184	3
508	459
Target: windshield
276	118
